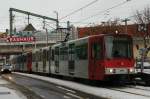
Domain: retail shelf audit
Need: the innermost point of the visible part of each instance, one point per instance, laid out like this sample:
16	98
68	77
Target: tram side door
49	59
71	62
44	54
95	58
29	62
56	60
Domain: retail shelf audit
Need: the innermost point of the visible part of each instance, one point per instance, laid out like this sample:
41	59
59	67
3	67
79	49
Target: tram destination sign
20	39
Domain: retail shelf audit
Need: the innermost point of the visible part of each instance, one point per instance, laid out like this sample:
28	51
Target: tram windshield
118	47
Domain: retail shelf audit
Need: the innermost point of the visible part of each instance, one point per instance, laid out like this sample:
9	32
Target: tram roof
84	38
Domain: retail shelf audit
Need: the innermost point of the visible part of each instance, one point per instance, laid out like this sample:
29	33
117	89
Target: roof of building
29	27
131	30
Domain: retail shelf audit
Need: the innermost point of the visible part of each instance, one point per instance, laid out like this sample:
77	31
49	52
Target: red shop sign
21	39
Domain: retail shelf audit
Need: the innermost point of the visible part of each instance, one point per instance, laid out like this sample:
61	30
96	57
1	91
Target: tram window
118	47
40	55
71	48
32	57
44	55
81	51
23	58
116	53
63	53
36	56
57	51
96	51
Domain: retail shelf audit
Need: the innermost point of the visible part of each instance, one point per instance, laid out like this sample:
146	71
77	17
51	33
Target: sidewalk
8	93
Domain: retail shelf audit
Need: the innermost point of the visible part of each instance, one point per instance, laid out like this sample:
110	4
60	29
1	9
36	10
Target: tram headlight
111	70
131	70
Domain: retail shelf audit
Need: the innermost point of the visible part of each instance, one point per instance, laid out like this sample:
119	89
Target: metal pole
28	19
126	26
57	22
11	21
46	37
68	30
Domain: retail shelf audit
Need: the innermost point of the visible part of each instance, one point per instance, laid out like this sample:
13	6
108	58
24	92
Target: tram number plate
122	71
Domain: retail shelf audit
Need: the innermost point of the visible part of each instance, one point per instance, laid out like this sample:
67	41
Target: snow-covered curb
100	92
8	93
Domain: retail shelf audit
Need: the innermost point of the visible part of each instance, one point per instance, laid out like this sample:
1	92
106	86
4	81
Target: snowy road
9	92
112	93
47	90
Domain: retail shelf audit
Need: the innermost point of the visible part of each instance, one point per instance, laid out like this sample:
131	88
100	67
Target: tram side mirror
137	46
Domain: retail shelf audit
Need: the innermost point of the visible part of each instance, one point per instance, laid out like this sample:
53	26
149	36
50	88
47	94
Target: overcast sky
64	7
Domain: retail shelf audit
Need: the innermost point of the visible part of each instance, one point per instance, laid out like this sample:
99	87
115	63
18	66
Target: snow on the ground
143	87
101	92
137	91
6	93
3	81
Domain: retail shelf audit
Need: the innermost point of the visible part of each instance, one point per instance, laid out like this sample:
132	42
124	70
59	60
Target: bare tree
143	17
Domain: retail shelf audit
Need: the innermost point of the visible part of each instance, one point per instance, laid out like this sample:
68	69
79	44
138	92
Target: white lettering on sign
21	39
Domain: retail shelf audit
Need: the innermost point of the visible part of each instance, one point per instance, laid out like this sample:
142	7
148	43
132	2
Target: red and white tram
97	57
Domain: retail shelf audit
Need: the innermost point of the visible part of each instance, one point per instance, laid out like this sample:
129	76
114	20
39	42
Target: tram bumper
119	74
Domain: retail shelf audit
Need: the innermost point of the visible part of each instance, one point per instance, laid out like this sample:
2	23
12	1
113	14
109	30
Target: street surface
74	89
7	90
46	90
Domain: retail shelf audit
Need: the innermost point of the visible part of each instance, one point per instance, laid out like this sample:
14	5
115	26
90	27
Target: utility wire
75	11
120	4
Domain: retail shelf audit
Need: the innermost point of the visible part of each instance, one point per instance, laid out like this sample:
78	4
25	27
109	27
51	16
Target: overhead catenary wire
75	11
100	12
121	20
